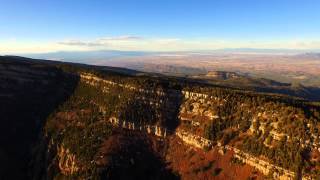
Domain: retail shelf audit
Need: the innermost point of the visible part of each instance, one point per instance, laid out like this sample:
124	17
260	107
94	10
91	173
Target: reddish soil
193	163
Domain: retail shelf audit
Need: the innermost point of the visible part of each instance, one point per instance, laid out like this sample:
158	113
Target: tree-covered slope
89	122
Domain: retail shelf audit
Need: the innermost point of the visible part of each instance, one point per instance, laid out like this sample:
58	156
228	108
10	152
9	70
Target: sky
37	26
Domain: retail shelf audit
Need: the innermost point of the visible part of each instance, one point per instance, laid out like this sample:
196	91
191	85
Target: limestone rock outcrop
67	161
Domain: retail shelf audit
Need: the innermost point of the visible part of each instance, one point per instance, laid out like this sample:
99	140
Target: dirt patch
193	163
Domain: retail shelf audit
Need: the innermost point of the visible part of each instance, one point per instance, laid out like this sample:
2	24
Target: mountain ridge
107	117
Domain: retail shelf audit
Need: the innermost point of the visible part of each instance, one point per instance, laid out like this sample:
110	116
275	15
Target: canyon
263	166
107	121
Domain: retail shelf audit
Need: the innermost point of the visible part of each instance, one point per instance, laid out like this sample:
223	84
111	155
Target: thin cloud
307	44
81	43
122	38
101	42
167	41
137	43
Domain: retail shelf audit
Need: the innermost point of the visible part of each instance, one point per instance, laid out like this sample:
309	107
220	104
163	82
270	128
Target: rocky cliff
108	122
195	110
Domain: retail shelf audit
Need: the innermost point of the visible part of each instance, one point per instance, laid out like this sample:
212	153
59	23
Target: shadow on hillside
153	109
174	101
29	92
134	156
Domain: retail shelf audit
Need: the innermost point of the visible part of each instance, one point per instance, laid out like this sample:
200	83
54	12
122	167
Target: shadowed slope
29	92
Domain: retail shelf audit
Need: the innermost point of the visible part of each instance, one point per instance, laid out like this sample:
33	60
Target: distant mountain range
87	56
309	55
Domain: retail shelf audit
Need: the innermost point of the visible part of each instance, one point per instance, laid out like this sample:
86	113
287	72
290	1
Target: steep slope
29	92
112	122
214	119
